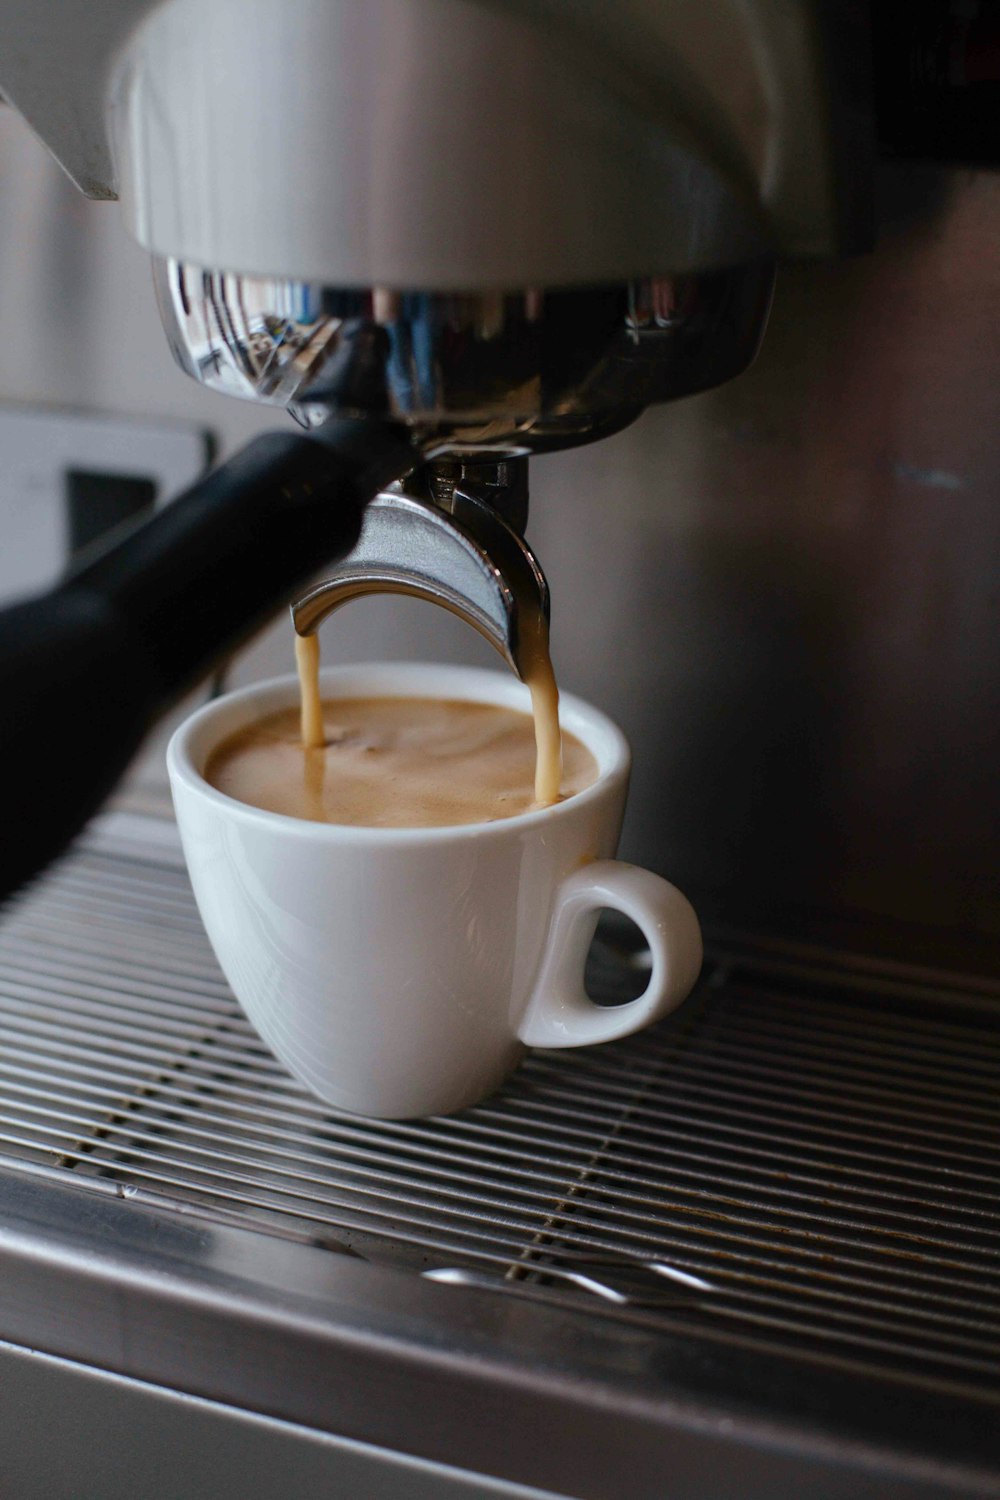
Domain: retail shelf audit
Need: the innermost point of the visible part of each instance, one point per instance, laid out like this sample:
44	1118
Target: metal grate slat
820	1146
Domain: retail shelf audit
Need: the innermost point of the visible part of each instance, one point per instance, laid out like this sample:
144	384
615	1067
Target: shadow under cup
400	972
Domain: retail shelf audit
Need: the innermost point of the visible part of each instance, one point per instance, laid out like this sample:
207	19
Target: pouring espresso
469	560
315	740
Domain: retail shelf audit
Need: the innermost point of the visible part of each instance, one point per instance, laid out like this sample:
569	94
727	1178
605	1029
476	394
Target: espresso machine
754	1251
510	235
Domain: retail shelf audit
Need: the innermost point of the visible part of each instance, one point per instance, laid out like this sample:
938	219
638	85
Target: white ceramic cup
400	972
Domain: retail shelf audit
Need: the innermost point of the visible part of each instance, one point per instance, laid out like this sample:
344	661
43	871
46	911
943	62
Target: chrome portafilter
515	371
461	555
472	378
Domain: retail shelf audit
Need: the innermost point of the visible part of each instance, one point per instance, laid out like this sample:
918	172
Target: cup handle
560	1013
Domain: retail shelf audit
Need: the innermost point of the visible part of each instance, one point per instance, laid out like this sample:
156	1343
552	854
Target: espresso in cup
384	762
406	762
403	971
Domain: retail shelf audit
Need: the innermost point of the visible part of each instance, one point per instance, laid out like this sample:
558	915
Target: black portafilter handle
86	669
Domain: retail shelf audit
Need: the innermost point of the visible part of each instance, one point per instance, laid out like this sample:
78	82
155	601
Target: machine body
476	230
449	145
509	225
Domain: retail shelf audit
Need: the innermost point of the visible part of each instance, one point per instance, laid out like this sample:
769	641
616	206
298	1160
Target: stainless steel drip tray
754	1250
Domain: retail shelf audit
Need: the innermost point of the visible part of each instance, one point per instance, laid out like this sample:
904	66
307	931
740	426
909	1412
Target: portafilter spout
460	554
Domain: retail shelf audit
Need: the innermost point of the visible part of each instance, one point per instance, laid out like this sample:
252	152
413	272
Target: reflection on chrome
519	370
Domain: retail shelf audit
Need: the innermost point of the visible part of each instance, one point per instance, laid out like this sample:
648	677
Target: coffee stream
307	662
540	679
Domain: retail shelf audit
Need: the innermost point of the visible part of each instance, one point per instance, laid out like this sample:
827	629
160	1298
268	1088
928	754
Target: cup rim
420	679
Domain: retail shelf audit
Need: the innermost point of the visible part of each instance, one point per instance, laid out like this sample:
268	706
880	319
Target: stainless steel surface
467	560
819	1146
434	144
500	482
179	1447
535	1395
623	1279
811	1141
505	371
573	145
787	595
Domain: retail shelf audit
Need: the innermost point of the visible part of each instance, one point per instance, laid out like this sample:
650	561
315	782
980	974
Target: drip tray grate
806	1151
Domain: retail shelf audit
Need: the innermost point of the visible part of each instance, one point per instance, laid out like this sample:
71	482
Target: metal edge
546	1396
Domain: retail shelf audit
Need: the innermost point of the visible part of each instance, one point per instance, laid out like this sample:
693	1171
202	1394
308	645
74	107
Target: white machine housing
449	144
